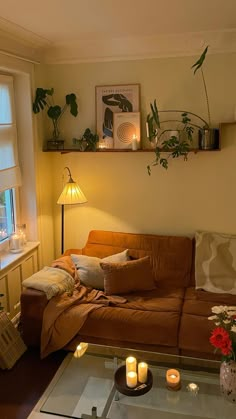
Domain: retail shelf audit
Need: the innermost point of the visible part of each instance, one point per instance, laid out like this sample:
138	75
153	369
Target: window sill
7	258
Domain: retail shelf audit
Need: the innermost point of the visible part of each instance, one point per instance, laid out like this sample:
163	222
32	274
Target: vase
228	380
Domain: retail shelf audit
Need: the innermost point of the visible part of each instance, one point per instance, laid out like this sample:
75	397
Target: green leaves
54	112
200	61
41	99
71	101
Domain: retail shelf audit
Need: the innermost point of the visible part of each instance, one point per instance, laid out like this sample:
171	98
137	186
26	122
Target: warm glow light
71	193
80	349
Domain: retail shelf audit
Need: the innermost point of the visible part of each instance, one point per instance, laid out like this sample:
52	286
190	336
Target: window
10	176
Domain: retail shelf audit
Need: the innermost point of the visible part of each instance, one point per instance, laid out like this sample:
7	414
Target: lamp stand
62	229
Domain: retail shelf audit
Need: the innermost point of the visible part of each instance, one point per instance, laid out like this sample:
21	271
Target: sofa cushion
215	262
126	277
90	271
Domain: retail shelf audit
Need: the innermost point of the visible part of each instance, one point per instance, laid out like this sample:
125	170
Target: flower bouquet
223	338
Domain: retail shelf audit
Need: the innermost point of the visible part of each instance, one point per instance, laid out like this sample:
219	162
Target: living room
193	195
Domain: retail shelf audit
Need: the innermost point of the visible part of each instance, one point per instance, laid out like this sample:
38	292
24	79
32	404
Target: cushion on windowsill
51	281
127	277
90	271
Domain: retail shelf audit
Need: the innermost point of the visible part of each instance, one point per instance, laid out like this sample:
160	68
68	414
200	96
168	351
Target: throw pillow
90	271
67	264
126	277
50	280
215	262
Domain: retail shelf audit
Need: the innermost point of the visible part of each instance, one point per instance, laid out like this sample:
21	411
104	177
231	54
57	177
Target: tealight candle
80	349
173	379
131	364
142	372
193	388
131	379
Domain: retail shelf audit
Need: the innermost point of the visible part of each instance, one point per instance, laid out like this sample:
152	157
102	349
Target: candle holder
173	380
16	243
138	390
193	388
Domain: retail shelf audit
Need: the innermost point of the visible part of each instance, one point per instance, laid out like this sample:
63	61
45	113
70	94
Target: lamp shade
71	194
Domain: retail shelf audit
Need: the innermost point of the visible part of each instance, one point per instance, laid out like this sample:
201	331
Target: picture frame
126	130
112	99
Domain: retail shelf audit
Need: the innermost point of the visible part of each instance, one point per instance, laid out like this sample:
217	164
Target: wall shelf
121	150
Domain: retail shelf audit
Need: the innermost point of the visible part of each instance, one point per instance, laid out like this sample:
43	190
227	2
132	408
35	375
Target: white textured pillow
50	280
215	262
90	271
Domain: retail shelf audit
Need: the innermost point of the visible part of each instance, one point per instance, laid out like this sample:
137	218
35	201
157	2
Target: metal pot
208	139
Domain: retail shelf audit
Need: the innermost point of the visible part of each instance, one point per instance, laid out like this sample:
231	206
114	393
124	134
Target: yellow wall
192	195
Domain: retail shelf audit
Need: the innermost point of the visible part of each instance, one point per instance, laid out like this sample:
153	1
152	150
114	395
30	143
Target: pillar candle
147	129
142	372
131	379
131	364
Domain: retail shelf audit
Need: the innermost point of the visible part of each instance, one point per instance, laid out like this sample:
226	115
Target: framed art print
114	99
126	129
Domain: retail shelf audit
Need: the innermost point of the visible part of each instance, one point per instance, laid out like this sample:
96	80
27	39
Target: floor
23	385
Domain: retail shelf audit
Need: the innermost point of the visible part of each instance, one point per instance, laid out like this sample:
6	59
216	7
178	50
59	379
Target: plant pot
208	139
228	380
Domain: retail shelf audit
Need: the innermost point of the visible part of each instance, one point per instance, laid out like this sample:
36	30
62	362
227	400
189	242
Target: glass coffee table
84	387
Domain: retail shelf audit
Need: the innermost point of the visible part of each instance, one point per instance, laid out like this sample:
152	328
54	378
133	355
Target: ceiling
100	29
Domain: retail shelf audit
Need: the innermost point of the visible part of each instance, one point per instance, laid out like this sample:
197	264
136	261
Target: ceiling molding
118	49
15	40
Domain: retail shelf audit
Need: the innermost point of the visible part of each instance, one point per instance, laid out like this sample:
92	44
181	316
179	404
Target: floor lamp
70	195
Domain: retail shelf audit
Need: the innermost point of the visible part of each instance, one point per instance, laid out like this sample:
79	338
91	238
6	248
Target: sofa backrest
171	256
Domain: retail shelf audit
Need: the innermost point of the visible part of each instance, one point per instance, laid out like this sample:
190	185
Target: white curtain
10	175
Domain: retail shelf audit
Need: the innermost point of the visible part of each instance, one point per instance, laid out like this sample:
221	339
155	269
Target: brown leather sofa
172	318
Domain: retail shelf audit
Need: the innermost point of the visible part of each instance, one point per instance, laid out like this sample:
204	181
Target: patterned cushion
215	262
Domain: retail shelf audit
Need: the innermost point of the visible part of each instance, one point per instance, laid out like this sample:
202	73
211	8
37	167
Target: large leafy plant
44	99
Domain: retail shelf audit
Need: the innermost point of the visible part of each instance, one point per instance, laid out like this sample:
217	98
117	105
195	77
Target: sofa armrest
33	303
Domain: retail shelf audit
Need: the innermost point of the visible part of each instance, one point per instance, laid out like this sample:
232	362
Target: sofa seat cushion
152	319
195	328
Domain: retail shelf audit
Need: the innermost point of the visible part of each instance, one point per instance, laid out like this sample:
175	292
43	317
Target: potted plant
168	142
44	99
87	142
208	136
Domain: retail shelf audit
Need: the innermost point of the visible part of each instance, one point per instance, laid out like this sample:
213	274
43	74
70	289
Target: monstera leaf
41	98
54	112
71	101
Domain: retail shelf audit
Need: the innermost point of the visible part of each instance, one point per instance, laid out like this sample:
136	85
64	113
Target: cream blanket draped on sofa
65	315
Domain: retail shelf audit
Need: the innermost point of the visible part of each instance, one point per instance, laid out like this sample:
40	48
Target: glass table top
85	384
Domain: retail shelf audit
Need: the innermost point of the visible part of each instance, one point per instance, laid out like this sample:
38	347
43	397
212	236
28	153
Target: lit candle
131	364
131	379
142	372
193	388
134	142
80	349
147	129
173	379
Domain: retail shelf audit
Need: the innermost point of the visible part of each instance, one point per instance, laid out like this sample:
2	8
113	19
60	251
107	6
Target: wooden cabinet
16	268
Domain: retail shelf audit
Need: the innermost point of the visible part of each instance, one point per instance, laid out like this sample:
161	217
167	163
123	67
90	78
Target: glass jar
21	231
16	243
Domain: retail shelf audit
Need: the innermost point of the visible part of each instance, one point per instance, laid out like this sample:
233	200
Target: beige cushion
90	271
215	262
50	280
126	277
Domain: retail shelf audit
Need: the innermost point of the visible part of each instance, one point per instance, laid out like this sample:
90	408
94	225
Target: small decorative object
131	364
142	372
21	231
134	142
131	379
208	136
122	379
113	99
88	141
173	379
193	388
16	243
80	349
126	130
223	338
44	99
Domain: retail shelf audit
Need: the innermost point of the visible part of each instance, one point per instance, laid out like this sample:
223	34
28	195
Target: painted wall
192	195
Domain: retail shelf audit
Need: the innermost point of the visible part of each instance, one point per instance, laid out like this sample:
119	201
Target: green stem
207	99
189	113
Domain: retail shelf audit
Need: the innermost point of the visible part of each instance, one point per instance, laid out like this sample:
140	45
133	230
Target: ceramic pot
228	380
208	139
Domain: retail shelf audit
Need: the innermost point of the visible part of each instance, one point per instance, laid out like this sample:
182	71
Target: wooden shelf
120	150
